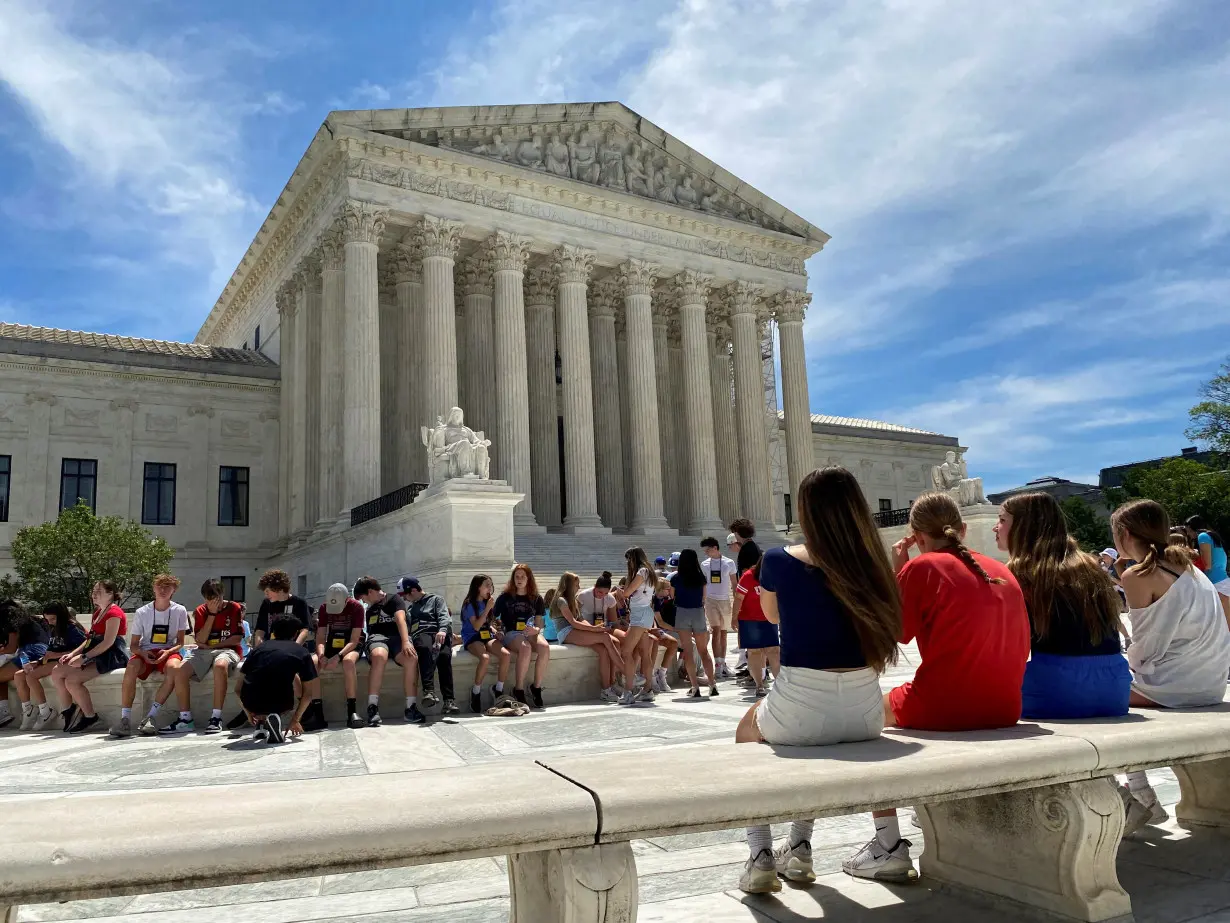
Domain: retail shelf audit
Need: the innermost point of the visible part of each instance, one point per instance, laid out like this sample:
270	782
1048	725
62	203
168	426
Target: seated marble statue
454	450
952	478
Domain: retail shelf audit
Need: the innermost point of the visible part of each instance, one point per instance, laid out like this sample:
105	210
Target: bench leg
1205	793
1052	848
589	884
8	914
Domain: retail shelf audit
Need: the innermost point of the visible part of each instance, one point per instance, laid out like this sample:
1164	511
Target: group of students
1040	637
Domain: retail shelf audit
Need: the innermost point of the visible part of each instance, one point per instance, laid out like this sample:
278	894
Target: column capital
332	248
287	303
638	276
692	287
674	334
539	286
439	236
605	297
508	251
307	275
386	277
573	264
744	298
362	222
406	261
790	305
474	275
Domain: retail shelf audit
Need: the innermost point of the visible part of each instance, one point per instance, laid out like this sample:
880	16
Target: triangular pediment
599	144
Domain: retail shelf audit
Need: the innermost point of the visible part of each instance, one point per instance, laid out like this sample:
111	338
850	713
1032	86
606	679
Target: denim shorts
754	635
561	634
640	617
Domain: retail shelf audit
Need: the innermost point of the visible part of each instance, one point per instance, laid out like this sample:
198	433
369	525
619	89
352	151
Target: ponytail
958	547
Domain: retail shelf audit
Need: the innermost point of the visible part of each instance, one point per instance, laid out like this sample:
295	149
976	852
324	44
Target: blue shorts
640	617
561	634
1096	686
756	635
31	653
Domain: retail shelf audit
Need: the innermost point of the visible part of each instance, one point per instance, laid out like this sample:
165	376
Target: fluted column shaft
726	446
388	390
332	345
625	427
574	264
407	271
666	420
313	321
416	376
800	454
479	359
362	226
608	441
749	408
643	437
298	401
287	309
539	291
679	414
700	458
439	242
512	393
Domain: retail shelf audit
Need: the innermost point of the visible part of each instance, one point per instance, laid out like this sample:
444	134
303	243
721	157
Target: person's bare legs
128	685
503	661
890	721
647	649
350	675
542	651
183	685
482	660
409	661
592	639
689	665
58	674
75	679
222	673
1225	607
629	652
775	660
523	652
378	657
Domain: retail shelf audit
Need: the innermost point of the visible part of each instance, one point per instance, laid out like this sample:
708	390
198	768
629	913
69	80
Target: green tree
1184	488
65	558
1087	524
1211	417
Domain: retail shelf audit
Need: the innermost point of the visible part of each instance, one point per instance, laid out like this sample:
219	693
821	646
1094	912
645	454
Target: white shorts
811	708
1223	587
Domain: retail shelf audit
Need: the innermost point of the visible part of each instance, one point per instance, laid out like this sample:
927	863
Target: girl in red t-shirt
102	651
757	635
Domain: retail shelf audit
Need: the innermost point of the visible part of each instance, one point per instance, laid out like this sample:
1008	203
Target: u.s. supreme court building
604	302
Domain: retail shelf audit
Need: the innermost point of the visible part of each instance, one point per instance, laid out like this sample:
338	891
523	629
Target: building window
257	338
301	586
232	496
6	469
78	481
245	346
158	501
886	506
235	588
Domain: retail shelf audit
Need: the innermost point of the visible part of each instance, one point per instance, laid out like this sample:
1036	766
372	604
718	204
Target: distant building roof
823	422
1113	476
1059	488
51	342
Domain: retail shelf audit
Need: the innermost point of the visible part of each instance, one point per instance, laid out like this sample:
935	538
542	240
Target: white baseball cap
335	599
731	538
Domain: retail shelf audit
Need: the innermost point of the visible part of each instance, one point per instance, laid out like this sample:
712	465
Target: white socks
1142	791
411	700
800	832
153	710
476	690
499	688
373	700
216	713
185	716
759	839
888	831
125	712
45	710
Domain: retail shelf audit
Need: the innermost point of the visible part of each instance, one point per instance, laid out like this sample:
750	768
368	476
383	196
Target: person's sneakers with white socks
46	714
760	874
660	682
877	863
1141	809
793	862
29	714
6	714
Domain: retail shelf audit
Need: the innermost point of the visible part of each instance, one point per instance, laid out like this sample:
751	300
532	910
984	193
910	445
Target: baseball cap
659	560
1111	553
731	538
335	598
406	584
673	560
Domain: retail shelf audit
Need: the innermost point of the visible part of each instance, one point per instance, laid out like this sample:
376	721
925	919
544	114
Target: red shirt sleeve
745	583
354	609
914	581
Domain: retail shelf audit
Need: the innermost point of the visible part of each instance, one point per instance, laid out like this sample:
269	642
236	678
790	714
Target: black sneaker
693	693
429	699
314	718
519	695
83	724
354	721
273	724
713	692
178	726
70	716
450	707
414	716
373	715
214	726
476	702
536	694
237	722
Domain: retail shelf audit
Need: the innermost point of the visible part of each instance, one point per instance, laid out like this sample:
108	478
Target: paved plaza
1172	876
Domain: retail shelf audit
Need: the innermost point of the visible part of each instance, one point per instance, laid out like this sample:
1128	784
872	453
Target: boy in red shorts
157	637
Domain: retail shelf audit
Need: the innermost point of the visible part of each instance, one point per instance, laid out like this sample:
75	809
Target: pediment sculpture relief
600	154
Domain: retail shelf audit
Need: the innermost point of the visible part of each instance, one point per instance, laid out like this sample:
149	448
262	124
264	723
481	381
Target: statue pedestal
979	522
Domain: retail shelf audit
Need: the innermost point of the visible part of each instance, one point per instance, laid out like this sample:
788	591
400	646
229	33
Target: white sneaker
644	697
760	875
875	862
1139	813
46	715
609	695
794	862
6	714
661	683
29	714
627	698
722	670
640	681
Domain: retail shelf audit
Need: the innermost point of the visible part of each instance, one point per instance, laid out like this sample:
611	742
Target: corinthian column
508	254
332	340
288	308
362	225
749	406
311	320
608	442
544	412
625	429
788	307
726	445
640	384
440	238
407	266
388	381
666	408
679	414
573	266
298	403
692	290
479	359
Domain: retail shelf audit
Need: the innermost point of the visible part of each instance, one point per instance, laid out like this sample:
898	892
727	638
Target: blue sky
1029	202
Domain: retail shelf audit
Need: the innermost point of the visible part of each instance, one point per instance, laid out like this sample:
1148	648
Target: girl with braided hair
968	614
1076	667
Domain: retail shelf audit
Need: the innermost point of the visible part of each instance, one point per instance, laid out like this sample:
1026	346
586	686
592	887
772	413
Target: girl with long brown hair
103	650
1180	650
516	609
968	615
637	592
572	628
837	605
1076	667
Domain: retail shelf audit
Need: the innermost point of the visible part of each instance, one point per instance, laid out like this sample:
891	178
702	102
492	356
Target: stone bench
1027	815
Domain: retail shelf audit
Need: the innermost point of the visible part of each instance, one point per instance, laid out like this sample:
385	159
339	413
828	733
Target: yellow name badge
715	576
373	618
485	635
158	636
213	641
338	643
520	626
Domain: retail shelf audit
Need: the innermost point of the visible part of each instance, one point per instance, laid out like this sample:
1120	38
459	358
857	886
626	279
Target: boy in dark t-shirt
269	676
275	584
